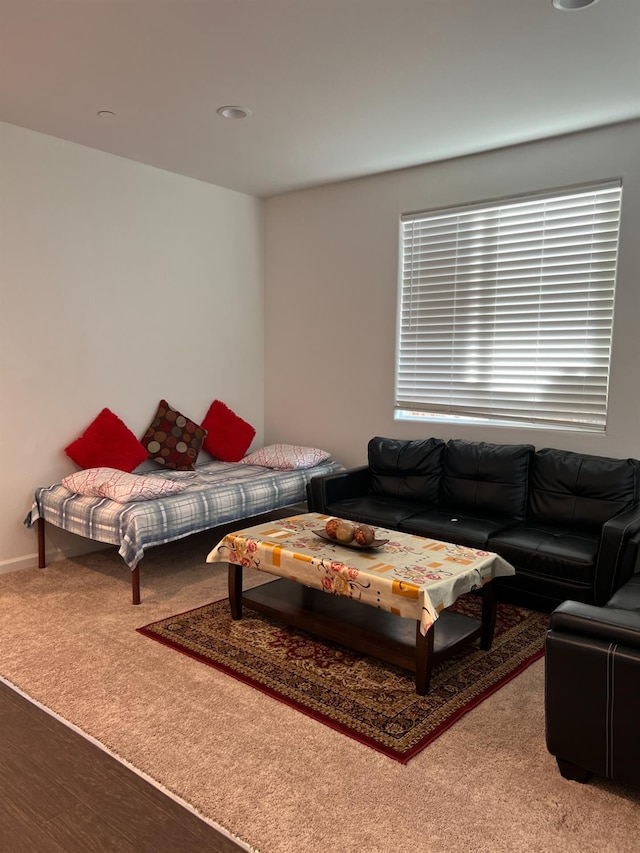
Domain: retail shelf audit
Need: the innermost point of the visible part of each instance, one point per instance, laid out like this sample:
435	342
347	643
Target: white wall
331	289
120	284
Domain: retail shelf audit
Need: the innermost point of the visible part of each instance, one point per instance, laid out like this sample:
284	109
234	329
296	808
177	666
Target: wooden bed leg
42	557
135	585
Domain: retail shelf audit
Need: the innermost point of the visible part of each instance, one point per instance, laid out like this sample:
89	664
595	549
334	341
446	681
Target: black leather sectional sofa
568	522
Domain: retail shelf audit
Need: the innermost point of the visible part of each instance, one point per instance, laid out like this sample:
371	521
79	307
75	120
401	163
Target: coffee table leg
424	659
489	610
235	590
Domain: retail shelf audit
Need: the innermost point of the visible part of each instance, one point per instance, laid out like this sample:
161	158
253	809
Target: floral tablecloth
410	576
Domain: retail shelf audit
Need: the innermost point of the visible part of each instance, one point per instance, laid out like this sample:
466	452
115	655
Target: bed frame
222	494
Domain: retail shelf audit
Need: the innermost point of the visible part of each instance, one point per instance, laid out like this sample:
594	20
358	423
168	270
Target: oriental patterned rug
362	697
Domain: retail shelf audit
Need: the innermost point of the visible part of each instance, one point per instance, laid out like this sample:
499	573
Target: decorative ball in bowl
353	534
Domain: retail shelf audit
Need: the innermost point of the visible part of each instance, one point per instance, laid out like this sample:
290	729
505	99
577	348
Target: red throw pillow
228	436
173	439
107	443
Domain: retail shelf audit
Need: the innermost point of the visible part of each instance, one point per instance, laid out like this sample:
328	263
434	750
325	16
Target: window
506	310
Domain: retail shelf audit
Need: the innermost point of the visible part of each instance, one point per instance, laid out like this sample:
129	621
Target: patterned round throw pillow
173	439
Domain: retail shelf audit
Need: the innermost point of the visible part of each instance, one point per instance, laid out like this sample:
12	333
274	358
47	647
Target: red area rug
362	697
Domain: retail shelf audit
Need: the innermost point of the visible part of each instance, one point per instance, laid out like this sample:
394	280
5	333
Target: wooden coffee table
410	576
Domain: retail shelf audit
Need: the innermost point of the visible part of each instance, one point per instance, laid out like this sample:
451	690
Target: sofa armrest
329	488
605	624
618	554
592	702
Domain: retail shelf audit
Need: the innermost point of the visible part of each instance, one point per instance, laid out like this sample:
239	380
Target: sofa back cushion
406	469
580	489
488	480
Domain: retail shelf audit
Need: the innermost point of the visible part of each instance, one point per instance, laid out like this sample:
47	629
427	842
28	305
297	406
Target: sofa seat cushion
379	511
450	527
549	551
628	596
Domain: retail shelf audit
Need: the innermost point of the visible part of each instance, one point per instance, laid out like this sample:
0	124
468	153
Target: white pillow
120	486
286	457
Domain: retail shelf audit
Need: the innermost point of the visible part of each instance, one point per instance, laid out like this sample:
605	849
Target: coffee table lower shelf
364	628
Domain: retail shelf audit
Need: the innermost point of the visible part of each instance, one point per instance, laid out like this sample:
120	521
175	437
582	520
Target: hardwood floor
59	793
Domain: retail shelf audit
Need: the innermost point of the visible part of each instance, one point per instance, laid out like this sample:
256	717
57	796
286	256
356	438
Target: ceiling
337	88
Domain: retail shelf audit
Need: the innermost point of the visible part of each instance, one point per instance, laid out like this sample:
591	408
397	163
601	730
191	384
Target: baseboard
30	561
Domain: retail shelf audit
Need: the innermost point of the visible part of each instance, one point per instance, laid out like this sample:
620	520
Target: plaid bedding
219	492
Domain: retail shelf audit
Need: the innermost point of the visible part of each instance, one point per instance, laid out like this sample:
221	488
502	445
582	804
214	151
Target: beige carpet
272	776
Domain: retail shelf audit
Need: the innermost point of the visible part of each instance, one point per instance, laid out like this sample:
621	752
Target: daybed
217	493
568	522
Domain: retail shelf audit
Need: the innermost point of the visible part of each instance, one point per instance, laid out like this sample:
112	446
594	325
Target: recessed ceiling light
106	114
233	112
572	5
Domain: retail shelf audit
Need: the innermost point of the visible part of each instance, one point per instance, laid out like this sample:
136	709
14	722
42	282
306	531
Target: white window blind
506	309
